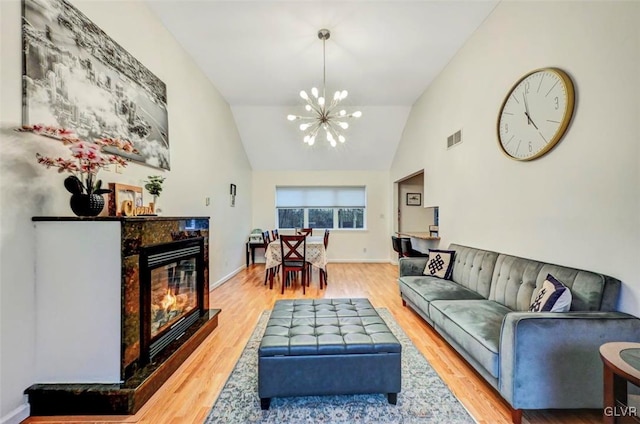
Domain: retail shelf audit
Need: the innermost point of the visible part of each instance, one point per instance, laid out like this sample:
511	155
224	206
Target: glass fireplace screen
173	293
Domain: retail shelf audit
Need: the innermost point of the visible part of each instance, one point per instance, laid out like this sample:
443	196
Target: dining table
316	253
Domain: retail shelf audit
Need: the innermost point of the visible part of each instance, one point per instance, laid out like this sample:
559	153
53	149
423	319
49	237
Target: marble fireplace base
126	398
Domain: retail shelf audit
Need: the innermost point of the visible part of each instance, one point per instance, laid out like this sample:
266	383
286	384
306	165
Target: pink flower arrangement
87	158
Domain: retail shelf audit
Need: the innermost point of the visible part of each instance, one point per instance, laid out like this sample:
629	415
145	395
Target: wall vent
453	139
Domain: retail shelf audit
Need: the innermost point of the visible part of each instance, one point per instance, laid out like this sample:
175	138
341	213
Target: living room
577	206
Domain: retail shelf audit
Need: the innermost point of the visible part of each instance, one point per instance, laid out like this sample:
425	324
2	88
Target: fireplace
171	293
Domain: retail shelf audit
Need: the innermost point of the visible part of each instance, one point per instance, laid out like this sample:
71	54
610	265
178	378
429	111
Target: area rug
424	397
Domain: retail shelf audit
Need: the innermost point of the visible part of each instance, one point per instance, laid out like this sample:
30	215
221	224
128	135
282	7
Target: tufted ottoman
327	347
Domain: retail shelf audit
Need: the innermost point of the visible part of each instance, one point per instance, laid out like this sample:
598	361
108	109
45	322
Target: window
321	207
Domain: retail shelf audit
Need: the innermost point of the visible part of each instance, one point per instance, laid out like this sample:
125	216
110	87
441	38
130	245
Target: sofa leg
265	403
392	398
404	303
516	416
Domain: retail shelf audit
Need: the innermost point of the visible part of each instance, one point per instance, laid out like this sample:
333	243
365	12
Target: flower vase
86	204
156	208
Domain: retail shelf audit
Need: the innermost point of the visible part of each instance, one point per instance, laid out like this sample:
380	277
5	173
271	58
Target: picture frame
414	199
232	192
121	193
93	85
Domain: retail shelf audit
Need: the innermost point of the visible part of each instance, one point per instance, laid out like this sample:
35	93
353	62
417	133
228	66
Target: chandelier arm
334	131
316	108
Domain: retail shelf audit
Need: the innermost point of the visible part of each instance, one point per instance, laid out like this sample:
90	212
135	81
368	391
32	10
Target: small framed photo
414	199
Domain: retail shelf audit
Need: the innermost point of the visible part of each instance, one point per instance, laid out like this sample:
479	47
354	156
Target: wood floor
189	394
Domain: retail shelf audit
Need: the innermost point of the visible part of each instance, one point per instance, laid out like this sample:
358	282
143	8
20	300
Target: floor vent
453	139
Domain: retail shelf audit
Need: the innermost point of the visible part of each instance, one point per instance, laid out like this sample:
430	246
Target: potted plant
86	159
154	187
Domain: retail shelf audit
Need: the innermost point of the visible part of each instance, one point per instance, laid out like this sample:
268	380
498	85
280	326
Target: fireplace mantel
88	303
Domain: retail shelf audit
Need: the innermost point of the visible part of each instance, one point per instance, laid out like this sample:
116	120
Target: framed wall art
414	199
75	76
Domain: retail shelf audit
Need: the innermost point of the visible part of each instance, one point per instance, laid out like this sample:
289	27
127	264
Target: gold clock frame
566	118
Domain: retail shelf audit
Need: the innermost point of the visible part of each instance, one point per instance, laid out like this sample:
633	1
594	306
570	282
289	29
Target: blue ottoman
327	347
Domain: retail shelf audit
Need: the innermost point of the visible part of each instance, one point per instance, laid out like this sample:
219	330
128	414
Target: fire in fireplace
171	292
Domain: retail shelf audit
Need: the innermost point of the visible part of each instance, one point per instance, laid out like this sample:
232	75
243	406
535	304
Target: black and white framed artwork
75	76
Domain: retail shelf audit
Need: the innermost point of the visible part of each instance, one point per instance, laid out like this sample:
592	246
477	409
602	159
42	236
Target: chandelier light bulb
324	113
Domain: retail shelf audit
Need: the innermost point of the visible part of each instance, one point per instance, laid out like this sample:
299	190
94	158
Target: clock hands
526	112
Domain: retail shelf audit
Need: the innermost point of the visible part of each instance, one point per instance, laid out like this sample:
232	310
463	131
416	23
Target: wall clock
535	114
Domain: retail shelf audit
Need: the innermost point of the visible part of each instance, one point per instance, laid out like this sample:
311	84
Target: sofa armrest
552	360
412	265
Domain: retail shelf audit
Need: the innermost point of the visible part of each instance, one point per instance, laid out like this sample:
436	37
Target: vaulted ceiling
260	54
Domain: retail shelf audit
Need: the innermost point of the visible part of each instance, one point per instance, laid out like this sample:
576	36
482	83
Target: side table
251	249
621	365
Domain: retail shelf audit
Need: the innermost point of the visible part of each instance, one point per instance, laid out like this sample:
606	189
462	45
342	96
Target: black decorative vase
87	204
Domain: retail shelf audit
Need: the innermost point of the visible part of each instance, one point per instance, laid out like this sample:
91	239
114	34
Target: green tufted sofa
536	360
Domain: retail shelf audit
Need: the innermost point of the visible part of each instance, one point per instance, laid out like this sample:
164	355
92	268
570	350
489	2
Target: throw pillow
552	297
440	263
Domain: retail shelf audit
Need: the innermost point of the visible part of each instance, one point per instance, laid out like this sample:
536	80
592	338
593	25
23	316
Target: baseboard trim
356	261
225	278
16	416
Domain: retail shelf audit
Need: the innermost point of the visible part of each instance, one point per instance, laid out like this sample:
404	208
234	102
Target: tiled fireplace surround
138	380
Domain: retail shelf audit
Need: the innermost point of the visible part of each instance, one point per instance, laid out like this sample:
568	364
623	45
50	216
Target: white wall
344	245
580	204
206	156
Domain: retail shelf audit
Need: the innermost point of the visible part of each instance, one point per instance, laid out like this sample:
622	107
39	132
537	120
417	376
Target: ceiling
260	54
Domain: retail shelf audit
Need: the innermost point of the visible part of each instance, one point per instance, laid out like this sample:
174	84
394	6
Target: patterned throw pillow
552	297
440	263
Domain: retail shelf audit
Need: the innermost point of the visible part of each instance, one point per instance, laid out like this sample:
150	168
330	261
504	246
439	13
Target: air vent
453	139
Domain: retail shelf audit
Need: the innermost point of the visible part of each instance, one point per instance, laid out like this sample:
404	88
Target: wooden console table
621	365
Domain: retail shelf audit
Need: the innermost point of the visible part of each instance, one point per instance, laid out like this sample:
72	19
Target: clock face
535	114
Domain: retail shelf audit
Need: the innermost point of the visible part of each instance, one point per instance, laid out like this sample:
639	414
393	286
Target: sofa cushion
553	296
475	325
473	268
440	263
422	290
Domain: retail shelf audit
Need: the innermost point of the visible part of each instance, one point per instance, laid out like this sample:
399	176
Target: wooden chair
294	258
274	235
304	231
269	272
323	272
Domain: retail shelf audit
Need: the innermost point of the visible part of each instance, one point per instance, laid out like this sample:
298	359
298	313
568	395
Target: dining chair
269	272
274	235
408	250
294	258
304	231
323	272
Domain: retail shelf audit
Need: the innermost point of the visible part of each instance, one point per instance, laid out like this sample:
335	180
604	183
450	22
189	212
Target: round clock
536	113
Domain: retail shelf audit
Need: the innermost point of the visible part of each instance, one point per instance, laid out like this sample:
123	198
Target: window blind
320	197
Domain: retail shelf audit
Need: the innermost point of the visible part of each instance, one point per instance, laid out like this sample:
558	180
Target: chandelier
323	114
